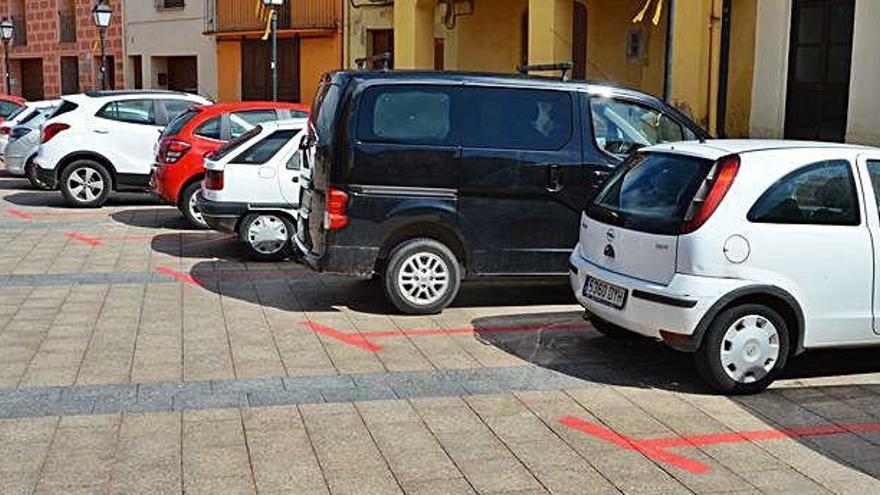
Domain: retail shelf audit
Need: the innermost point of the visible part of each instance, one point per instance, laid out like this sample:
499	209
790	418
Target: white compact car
251	187
742	252
24	142
24	114
104	140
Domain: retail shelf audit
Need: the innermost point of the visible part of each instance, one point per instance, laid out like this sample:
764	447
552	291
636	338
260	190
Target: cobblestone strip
173	396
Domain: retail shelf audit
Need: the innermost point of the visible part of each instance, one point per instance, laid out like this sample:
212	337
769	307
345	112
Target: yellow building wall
489	40
742	64
691	59
228	70
317	56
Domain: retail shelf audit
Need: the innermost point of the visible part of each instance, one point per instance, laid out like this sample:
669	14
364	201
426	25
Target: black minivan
427	178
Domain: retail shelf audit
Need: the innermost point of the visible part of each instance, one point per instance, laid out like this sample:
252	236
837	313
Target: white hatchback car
104	140
742	252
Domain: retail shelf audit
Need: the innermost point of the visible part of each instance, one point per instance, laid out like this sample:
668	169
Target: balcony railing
237	15
66	27
19	36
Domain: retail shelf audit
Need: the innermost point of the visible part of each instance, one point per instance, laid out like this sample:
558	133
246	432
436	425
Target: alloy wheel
423	278
85	184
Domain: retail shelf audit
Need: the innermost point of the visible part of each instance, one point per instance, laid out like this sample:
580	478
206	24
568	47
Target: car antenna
385	58
565	67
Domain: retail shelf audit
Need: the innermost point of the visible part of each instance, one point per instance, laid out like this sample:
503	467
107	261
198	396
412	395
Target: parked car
104	140
742	252
9	104
24	113
179	167
24	142
425	178
252	189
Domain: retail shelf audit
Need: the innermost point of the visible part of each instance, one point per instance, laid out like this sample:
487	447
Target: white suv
742	252
104	140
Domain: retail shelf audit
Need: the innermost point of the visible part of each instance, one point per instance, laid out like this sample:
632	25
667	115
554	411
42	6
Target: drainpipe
723	70
670	39
714	66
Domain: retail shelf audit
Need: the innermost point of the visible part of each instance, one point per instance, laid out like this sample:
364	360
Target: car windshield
176	125
235	143
650	192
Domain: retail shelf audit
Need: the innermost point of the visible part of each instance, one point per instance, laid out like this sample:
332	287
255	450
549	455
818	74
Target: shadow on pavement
54	199
153	218
11	183
198	244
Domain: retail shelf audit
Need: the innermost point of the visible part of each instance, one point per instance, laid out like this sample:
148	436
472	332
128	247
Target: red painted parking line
32	215
19	214
91	241
179	276
656	448
360	339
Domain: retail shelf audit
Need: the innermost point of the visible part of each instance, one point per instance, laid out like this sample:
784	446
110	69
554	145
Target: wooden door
820	57
256	77
32	79
183	74
69	75
382	41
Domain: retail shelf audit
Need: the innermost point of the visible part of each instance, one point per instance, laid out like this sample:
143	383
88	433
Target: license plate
605	293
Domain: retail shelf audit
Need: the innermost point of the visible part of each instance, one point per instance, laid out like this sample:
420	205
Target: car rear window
65	107
7	108
230	146
176	125
265	149
406	115
650	192
15	113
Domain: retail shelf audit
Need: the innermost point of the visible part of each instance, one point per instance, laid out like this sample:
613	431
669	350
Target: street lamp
274	5
101	14
7	29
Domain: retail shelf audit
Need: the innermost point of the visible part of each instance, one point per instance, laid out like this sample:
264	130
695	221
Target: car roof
12	98
714	149
253	105
132	92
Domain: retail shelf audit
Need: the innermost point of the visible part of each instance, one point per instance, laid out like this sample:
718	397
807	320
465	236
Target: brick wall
42	19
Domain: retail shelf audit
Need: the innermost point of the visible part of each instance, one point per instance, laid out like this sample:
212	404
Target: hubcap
195	212
267	234
749	349
423	278
85	184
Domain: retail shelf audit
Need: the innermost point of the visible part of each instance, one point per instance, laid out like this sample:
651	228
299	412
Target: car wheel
266	236
422	277
744	349
30	171
188	206
85	184
611	330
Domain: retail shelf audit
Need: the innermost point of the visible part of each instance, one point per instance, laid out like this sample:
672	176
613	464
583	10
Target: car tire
611	330
744	349
422	277
31	172
85	184
188	208
266	236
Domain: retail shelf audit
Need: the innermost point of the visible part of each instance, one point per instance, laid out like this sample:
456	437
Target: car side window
527	119
874	174
621	127
406	115
241	122
821	193
265	149
209	129
130	111
175	108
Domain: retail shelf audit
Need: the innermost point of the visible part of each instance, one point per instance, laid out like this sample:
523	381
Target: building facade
55	49
166	49
309	44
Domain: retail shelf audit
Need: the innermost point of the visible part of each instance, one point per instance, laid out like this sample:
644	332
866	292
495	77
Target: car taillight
711	193
214	180
335	217
52	130
5	130
172	151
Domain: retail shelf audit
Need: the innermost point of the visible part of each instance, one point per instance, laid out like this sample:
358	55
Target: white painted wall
864	101
771	69
150	32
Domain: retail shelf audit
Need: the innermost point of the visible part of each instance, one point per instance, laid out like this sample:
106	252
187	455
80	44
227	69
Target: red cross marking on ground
657	448
361	339
32	215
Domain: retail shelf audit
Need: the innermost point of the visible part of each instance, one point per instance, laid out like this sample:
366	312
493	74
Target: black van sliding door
518	148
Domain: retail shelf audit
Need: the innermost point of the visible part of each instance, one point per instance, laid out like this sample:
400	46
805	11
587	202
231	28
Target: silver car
24	141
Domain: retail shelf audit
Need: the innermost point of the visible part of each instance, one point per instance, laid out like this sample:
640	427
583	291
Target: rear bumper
671	313
14	165
353	261
221	216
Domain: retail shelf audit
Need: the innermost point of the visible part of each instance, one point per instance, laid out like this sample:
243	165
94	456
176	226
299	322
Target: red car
179	167
9	104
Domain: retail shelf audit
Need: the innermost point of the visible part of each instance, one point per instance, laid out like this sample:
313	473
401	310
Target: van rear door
633	226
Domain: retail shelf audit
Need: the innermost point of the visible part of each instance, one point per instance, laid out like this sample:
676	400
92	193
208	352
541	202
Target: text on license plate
604	292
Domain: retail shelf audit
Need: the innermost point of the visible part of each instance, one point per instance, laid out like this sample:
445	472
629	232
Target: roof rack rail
385	58
565	67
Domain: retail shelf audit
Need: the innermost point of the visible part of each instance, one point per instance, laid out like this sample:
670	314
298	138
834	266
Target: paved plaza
139	356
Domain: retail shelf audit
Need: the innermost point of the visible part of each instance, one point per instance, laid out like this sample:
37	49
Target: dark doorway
183	74
819	69
439	53
382	41
579	41
256	78
32	79
111	72
137	67
69	75
524	38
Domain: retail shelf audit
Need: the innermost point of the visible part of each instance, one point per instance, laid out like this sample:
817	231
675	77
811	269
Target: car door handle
101	131
554	178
